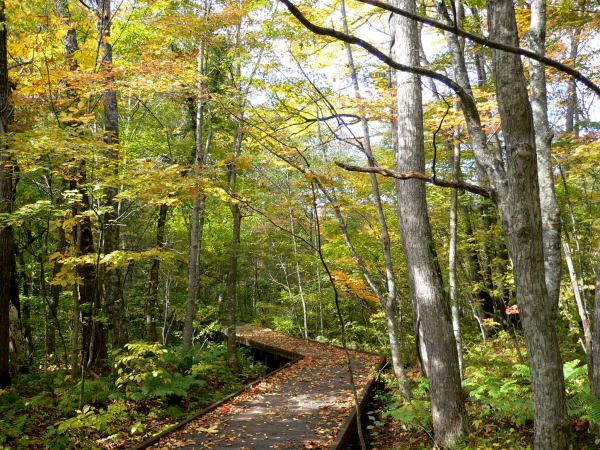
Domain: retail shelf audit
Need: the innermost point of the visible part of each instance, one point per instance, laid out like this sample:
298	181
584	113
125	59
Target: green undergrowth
151	387
497	389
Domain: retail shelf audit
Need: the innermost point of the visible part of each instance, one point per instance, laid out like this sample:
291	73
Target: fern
572	370
413	414
176	385
585	406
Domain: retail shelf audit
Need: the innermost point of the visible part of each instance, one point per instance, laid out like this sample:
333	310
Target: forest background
169	168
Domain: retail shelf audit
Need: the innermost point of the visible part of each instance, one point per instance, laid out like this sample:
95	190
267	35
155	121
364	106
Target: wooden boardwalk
305	405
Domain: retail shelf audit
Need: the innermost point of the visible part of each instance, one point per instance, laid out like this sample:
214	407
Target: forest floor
159	387
497	389
46	409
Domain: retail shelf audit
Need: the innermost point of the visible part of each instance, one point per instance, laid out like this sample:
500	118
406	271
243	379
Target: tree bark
7	275
579	302
150	310
571	114
432	315
550	210
521	217
595	359
112	277
454	306
390	300
199	204
232	278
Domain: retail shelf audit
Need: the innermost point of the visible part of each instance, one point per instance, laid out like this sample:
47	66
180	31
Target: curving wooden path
305	405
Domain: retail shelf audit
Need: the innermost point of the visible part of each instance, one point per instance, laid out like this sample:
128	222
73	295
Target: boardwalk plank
303	406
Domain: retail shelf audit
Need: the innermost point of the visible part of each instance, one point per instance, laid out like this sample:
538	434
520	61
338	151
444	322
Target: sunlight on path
302	406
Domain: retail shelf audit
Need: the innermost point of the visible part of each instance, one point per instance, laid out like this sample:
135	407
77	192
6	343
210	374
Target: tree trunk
55	290
390	301
236	213
197	220
7	275
298	277
595	359
432	315
543	138
112	277
521	217
87	300
571	115
92	346
150	310
452	256
579	302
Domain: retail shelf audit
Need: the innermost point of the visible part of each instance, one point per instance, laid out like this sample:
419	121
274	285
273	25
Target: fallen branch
417	176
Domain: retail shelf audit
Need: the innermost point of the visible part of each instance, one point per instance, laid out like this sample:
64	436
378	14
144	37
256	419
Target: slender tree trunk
579	302
166	310
112	278
521	216
93	336
303	302
452	257
28	289
433	324
152	299
543	138
571	114
389	302
7	275
55	290
595	359
199	204
85	295
232	279
300	289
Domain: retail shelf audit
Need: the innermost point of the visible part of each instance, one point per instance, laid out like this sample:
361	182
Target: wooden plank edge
288	354
154	439
344	437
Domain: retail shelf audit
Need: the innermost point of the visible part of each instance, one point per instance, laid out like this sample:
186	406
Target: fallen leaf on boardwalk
211	430
302	406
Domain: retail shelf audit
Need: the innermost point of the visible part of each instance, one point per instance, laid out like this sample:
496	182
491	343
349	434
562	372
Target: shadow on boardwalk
304	405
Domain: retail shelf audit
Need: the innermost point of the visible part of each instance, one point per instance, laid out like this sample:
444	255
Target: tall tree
543	138
85	293
7	247
234	248
390	300
151	301
112	278
522	221
433	326
199	202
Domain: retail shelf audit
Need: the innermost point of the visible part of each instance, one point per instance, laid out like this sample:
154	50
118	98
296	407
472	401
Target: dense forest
419	179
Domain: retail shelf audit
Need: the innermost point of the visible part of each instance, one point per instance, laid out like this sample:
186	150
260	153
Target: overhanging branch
417	176
434	23
467	100
488	42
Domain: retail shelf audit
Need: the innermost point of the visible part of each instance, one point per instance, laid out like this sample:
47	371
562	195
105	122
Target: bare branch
467	100
417	176
486	42
354	117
